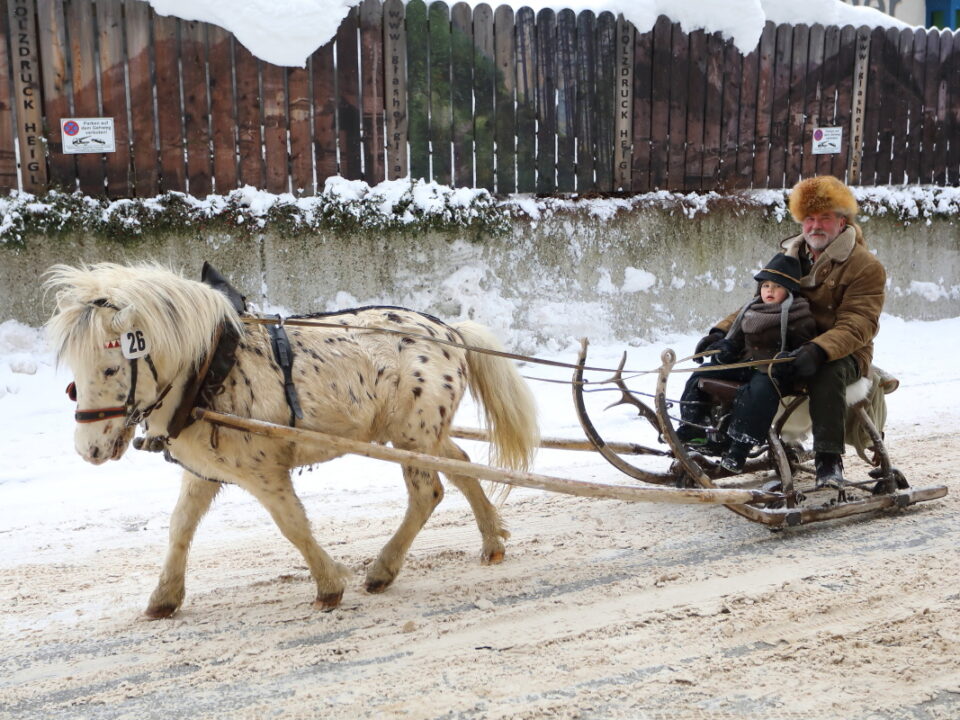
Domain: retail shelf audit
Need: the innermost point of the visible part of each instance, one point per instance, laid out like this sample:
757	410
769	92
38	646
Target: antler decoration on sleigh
598	442
627	397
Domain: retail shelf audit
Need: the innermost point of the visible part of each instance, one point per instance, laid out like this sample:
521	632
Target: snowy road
602	609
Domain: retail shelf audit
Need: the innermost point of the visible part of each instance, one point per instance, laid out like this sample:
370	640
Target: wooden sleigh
776	488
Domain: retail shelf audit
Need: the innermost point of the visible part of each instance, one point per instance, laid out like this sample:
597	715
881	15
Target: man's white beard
818	241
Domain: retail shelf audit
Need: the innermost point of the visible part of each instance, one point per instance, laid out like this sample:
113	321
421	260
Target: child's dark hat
783	270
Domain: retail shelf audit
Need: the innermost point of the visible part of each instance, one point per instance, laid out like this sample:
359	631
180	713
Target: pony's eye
110	371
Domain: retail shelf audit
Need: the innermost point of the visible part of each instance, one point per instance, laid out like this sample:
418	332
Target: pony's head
129	334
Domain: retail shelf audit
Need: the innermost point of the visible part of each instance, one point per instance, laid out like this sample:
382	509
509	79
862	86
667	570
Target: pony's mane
96	303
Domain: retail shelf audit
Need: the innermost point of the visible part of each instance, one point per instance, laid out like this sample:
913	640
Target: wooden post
395	80
623	161
858	105
26	83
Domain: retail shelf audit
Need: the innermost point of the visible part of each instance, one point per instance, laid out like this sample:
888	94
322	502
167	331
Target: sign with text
88	135
826	141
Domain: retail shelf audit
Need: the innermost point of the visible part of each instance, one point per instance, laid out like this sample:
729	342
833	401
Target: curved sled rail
721	496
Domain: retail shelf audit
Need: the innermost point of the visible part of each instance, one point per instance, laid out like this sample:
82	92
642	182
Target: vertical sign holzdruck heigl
26	78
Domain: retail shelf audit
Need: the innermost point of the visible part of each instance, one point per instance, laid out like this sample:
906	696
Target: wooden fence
512	101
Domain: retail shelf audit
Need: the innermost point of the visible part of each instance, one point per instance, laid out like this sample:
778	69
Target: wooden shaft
466	433
484	472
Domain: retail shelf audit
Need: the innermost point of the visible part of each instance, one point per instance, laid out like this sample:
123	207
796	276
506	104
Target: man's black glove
729	351
706	343
807	359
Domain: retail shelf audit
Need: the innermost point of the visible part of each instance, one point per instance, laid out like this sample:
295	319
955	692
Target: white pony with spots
135	337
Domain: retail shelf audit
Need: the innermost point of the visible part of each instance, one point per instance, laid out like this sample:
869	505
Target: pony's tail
508	405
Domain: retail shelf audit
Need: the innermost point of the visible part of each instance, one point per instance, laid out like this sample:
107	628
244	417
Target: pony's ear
124	318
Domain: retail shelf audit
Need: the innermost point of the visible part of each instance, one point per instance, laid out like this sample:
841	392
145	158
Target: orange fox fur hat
822	194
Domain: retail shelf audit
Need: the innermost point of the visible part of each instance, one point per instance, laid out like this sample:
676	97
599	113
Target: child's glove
707	342
729	351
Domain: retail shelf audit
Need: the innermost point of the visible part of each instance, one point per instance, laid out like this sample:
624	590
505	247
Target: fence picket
113	92
526	74
173	174
606	77
812	98
56	102
730	116
80	22
762	132
249	124
301	135
642	106
907	107
889	61
503	98
223	119
747	121
660	102
348	90
371	89
324	113
418	99
461	90
484	73
826	113
680	54
781	105
714	109
193	52
696	110
546	101
441	111
275	127
585	129
566	100
798	90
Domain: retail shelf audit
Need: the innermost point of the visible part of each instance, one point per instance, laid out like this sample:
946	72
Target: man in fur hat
844	284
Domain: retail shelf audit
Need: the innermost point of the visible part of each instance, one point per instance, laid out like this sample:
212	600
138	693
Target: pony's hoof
160	612
378	585
328	602
493	558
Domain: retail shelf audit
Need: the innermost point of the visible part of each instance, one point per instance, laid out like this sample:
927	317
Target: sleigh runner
187	361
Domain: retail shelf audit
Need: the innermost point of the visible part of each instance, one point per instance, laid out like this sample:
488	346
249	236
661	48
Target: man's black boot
829	470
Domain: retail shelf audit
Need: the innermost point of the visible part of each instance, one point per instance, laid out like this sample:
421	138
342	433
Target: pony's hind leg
488	519
276	494
196	494
424	493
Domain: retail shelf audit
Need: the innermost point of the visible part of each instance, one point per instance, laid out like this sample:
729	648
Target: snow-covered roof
286	32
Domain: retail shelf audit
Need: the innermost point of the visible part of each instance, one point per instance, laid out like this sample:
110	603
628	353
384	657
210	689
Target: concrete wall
629	277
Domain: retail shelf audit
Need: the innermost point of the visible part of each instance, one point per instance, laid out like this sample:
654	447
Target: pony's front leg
424	493
275	492
196	494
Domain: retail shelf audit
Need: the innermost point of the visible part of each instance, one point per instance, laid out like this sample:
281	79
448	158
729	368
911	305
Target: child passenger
776	320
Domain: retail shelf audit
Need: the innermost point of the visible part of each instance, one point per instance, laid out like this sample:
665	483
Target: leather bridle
134	415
